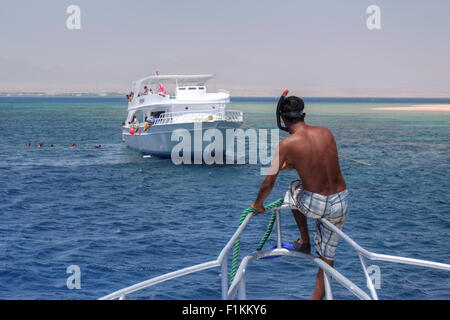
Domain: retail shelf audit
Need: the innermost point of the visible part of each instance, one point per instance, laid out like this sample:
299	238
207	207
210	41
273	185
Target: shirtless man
321	192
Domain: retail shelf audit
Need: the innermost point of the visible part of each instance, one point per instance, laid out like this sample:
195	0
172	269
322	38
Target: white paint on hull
157	139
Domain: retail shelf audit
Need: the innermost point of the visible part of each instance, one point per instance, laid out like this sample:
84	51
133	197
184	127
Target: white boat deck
238	284
186	99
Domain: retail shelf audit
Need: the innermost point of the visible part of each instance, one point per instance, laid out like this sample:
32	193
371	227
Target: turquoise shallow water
123	218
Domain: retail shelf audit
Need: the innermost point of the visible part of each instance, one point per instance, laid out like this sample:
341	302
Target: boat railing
234	115
146	98
189	117
198	116
224	91
238	285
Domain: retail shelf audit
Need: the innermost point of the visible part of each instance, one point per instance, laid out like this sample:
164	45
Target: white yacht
160	104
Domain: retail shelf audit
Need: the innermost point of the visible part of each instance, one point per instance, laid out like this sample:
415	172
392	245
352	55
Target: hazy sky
316	48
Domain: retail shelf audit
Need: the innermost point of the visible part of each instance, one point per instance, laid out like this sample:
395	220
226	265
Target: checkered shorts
332	208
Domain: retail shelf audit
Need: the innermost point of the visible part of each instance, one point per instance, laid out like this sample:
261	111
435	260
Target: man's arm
287	166
266	187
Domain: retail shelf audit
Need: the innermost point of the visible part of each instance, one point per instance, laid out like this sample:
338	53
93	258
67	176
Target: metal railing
189	117
224	91
238	284
198	116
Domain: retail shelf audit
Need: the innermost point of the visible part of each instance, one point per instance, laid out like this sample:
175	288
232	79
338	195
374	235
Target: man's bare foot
300	246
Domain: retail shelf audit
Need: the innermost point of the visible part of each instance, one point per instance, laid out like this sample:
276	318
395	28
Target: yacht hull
160	140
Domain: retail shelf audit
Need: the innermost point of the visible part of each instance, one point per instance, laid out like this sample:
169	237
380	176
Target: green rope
237	243
268	231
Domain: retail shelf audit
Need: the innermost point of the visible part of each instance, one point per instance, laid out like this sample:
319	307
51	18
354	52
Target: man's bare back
312	151
322	191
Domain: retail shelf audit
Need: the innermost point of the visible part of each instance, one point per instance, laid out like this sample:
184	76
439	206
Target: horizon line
118	95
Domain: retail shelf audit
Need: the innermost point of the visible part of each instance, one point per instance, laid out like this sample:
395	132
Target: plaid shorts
332	208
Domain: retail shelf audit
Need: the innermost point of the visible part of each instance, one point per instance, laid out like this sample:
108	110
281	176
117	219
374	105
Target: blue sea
122	218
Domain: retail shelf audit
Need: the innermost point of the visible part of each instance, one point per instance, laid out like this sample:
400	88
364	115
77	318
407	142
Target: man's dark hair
292	109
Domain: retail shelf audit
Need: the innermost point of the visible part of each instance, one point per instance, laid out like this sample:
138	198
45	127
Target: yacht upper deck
174	90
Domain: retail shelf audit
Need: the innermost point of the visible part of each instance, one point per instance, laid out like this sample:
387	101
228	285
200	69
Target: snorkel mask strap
280	103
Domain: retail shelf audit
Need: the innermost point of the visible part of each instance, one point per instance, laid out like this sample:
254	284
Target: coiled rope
237	243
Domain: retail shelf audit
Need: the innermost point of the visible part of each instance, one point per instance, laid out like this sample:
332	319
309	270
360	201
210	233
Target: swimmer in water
41	144
29	144
51	146
74	145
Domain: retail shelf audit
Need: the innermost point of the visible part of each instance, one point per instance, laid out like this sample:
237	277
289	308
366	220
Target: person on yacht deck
130	96
162	89
137	125
321	191
149	121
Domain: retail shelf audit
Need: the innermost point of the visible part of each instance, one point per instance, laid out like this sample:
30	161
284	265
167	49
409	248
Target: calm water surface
123	218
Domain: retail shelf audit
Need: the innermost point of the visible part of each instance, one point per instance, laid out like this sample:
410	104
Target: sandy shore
421	107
